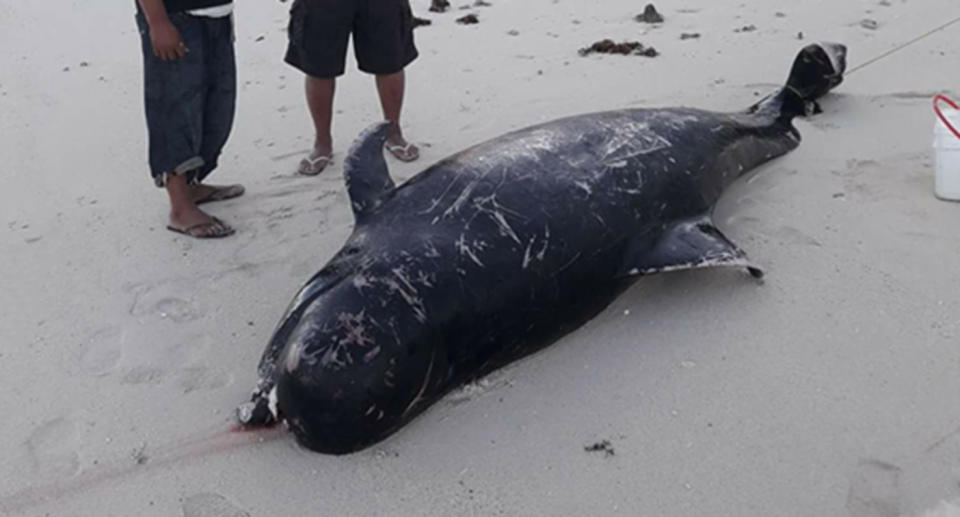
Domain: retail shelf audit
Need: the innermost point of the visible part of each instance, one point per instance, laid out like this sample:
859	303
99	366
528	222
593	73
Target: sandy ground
830	390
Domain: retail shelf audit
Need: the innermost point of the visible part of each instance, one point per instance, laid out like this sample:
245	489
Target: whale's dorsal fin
365	170
688	244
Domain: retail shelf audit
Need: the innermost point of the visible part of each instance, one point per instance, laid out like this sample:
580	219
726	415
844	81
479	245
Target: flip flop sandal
313	165
215	229
222	193
403	152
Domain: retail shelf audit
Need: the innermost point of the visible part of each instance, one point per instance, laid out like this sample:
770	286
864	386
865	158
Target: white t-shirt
217	11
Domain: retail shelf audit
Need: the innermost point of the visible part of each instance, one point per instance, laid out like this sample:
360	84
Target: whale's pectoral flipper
365	170
690	244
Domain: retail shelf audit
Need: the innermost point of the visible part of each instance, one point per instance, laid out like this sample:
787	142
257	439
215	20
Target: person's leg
219	108
391	87
174	98
383	42
320	92
319	32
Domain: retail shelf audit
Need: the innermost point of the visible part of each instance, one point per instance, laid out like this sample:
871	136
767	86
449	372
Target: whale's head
351	359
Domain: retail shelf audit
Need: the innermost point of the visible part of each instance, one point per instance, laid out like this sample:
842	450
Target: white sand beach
830	390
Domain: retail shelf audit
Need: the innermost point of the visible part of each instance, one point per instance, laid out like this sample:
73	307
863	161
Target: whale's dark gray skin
497	251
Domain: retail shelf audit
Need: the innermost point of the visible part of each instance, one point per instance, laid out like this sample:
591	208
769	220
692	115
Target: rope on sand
903	46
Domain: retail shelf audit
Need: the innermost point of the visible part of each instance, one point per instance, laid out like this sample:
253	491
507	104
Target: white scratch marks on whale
426	382
435	202
400	273
372	354
490	206
469	250
526	254
355	331
461	199
431	251
546	243
504	226
408	292
531	253
531	146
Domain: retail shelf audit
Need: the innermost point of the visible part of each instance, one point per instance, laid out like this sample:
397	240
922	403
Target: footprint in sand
177	310
859	179
791	235
201	378
211	505
151	360
277	215
148	302
875	490
100	354
143	375
52	448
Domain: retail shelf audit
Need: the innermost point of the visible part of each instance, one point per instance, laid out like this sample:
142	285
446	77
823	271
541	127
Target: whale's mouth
262	411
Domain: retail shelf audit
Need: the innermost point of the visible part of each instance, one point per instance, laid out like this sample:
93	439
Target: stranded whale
497	251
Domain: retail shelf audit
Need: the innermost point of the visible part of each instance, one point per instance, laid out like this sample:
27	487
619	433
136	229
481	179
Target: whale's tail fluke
817	69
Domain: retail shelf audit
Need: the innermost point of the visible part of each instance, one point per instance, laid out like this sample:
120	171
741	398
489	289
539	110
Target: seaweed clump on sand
603	446
626	48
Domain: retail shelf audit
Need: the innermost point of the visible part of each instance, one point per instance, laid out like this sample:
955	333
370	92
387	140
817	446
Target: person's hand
166	41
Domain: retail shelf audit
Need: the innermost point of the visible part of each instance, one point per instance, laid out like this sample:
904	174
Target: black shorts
319	30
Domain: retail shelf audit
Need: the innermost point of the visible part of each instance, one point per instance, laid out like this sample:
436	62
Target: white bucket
946	146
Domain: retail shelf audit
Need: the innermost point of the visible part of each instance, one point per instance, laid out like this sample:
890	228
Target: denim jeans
189	102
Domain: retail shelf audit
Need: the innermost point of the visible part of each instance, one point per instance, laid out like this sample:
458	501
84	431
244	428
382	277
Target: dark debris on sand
690	35
650	15
139	454
603	446
420	22
626	48
469	19
439	6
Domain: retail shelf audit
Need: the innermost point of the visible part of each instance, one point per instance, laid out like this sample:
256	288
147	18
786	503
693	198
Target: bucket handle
936	108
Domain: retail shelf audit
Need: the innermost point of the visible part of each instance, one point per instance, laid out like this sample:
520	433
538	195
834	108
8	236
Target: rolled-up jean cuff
189	168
